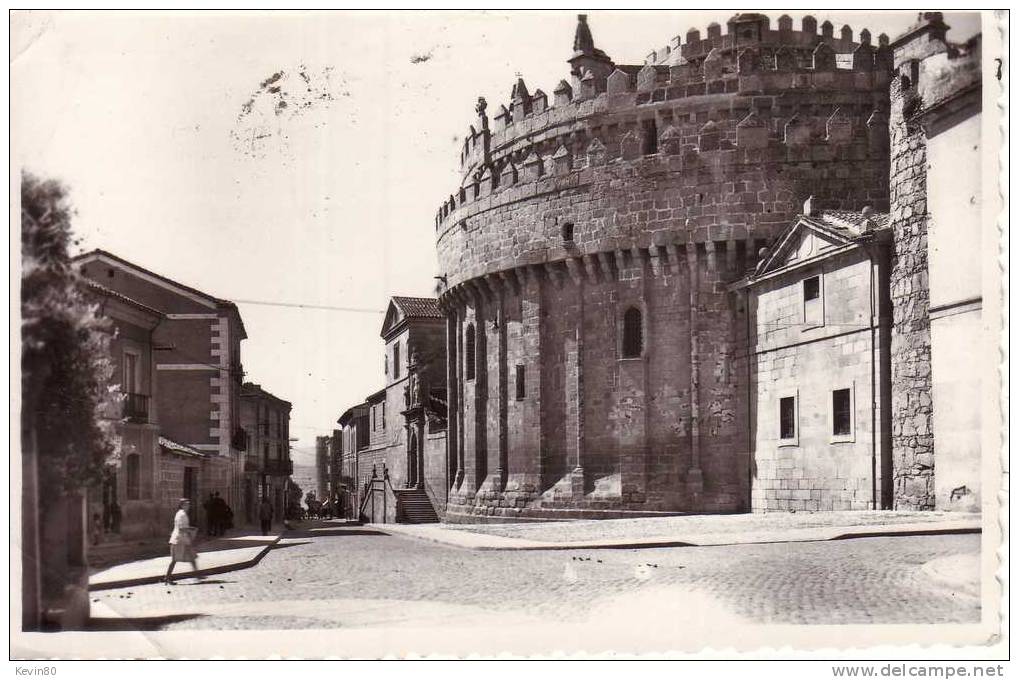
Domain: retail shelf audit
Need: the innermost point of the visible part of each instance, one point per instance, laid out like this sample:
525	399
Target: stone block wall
436	477
961	354
912	405
647	187
817	470
601	431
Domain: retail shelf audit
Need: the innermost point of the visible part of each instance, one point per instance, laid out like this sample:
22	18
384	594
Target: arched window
396	361
633	333
134	476
469	352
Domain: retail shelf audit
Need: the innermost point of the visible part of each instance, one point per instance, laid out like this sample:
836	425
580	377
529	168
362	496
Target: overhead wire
297	305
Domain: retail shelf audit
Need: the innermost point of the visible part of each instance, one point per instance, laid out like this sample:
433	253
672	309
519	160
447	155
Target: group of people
219	516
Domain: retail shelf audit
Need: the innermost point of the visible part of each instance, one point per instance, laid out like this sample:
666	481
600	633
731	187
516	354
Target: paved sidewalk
957	573
693	530
214	557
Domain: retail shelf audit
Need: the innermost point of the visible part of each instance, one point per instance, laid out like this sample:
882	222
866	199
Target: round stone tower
592	340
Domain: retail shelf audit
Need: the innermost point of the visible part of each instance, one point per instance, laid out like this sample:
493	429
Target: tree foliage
67	400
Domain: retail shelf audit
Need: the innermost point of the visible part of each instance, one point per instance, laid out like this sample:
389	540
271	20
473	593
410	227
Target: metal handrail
136	407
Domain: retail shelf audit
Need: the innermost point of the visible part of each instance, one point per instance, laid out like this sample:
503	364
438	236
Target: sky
295	158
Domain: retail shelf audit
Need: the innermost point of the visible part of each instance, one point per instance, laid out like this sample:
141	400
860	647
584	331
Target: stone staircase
414	507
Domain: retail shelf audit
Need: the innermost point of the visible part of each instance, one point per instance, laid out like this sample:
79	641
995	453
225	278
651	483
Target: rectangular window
130	373
787	417
842	412
813	307
811	288
521	388
133	466
373	419
383	415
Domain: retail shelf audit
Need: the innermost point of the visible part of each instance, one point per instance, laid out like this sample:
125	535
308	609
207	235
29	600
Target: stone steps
414	507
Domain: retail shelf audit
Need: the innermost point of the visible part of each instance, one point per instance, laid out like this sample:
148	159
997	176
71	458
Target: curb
907	532
211	571
529	544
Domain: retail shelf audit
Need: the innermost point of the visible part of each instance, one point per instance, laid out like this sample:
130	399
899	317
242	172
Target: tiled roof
171	446
103	290
852	224
845	227
419	307
250	389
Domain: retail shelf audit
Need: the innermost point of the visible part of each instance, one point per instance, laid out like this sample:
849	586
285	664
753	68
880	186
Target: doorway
110	504
191	493
414	460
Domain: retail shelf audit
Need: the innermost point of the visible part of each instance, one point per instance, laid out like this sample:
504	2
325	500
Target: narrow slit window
470	353
787	417
633	333
650	142
396	361
842	412
521	387
812	309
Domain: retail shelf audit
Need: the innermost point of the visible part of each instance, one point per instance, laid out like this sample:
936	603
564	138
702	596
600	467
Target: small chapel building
818	337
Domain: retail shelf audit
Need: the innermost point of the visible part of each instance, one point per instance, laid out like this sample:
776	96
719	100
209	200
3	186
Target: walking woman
182	547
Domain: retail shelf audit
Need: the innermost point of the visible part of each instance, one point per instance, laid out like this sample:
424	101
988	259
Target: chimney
810	208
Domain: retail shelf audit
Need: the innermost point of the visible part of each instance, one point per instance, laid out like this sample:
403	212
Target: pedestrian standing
222	515
208	507
96	528
265	515
216	515
182	548
228	518
115	516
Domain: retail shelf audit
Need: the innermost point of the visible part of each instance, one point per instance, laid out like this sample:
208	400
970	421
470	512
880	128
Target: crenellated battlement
754	31
586	259
749	88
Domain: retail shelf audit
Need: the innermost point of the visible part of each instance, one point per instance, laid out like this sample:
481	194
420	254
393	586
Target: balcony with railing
253	462
136	407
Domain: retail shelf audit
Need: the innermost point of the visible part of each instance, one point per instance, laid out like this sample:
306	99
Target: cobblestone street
354	577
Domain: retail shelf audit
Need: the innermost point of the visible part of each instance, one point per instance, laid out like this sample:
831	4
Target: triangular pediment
804	240
393	317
